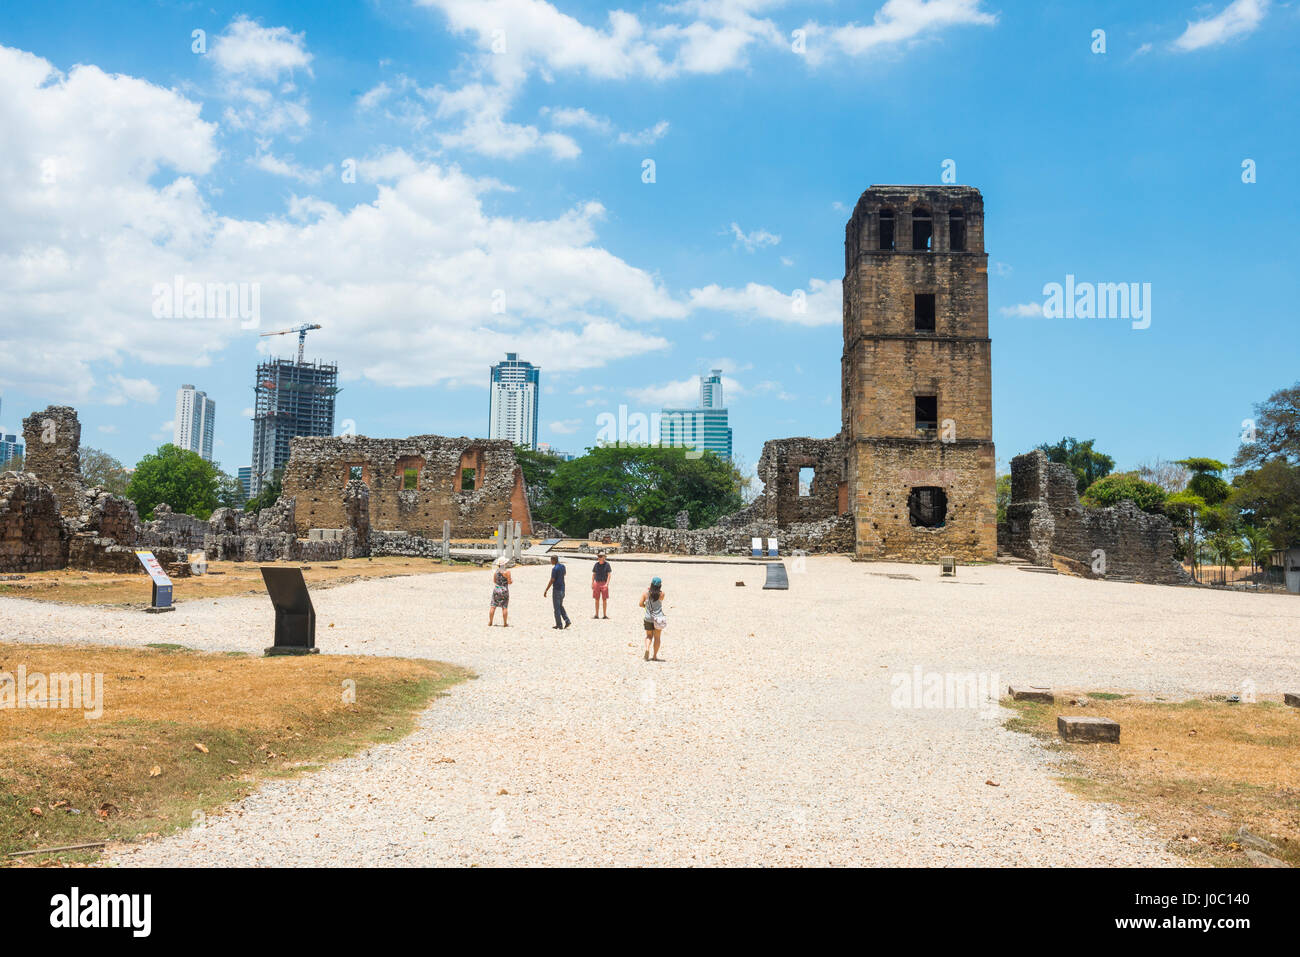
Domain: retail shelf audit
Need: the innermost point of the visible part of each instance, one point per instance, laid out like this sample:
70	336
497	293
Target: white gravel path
767	736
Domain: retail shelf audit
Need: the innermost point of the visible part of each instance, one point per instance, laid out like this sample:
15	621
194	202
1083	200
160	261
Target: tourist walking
500	592
652	600
600	575
556	587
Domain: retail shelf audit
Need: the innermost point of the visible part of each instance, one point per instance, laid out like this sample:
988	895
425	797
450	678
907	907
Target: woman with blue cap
652	601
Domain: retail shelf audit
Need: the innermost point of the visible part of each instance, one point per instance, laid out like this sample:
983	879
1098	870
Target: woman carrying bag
652	601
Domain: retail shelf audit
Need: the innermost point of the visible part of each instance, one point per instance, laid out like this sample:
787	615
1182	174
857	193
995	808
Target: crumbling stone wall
168	529
320	469
834	534
1045	520
33	536
53	455
779	467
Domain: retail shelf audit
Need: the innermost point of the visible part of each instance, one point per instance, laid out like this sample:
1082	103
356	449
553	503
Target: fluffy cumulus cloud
818	305
255	66
1236	19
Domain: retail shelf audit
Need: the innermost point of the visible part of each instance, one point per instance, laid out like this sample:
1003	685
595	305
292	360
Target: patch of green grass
1107	695
166	646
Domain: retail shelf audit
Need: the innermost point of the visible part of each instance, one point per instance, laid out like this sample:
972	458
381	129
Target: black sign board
295	618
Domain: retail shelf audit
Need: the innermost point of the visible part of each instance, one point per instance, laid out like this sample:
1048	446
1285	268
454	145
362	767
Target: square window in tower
927	413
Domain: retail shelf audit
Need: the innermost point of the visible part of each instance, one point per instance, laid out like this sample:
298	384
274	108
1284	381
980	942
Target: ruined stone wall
1045	520
778	469
53	455
33	536
834	534
168	529
887	472
320	468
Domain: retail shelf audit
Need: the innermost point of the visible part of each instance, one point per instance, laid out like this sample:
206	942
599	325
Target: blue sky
499	149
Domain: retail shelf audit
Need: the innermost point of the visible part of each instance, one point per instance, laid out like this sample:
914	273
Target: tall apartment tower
195	421
512	406
289	399
916	377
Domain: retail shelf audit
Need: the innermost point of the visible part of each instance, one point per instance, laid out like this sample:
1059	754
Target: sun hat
503	560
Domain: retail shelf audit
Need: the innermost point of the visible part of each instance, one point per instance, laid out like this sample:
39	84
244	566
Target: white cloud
566	426
896	22
1236	19
819	305
247	413
680	393
755	239
255	65
647	136
1024	309
131	390
278	166
578	117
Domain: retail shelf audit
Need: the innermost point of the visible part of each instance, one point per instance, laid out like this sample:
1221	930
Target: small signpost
295	618
162	585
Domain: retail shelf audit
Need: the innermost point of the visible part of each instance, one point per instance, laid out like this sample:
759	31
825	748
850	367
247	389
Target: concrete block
1292	698
1030	693
1088	730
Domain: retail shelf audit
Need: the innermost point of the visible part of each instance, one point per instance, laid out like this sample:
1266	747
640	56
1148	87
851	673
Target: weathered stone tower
917	383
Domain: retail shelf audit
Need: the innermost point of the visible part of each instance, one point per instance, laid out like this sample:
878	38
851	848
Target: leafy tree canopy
1269	497
610	484
1206	481
270	492
1119	486
1276	431
183	479
100	468
1086	463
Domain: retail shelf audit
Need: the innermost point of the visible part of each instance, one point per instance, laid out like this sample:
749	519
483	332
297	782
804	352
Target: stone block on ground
1292	698
1031	693
1076	728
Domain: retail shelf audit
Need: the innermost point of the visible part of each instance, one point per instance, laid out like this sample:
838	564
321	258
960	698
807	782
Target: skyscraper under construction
292	398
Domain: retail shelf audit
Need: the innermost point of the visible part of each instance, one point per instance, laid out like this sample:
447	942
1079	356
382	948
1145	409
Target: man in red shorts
600	575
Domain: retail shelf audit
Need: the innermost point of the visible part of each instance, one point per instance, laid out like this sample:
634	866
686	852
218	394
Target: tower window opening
927	507
956	231
922	229
886	229
927	413
923	309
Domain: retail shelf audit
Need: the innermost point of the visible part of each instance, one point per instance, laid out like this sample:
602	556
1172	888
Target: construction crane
302	335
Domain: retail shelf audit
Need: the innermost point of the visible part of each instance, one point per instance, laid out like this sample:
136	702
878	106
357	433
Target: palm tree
1259	545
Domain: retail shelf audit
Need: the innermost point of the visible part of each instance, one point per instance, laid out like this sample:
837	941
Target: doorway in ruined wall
469	473
798	482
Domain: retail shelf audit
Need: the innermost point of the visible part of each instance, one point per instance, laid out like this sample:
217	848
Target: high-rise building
512	408
246	481
706	428
195	421
291	399
11	447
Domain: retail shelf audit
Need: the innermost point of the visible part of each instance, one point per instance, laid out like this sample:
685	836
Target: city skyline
434	242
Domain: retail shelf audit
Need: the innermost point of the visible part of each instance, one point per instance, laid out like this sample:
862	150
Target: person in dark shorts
556	587
652	600
601	572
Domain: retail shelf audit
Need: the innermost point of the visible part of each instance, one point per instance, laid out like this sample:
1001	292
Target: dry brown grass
184	732
74	587
1197	769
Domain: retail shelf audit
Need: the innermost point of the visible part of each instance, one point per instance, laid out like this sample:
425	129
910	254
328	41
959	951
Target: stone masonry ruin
1046	524
413	485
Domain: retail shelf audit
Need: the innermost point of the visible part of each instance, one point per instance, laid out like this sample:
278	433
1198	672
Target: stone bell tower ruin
916	376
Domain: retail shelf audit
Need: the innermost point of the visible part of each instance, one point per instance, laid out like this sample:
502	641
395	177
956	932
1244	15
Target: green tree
1258	545
270	492
1276	431
1003	491
230	494
1087	464
183	479
1119	486
1206	480
610	484
1269	497
100	468
538	467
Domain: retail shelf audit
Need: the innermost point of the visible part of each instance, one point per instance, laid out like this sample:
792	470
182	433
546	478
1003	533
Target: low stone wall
1045	520
170	529
825	536
404	544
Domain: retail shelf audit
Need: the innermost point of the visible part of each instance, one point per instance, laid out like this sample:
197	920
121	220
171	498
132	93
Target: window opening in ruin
354	472
922	229
805	482
927	507
956	230
886	229
927	413
467	477
923	305
410	479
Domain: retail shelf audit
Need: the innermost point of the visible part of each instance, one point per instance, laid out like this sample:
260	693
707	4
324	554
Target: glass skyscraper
512	405
704	428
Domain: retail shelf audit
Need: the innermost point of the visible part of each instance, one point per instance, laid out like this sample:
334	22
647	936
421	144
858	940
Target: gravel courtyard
767	736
